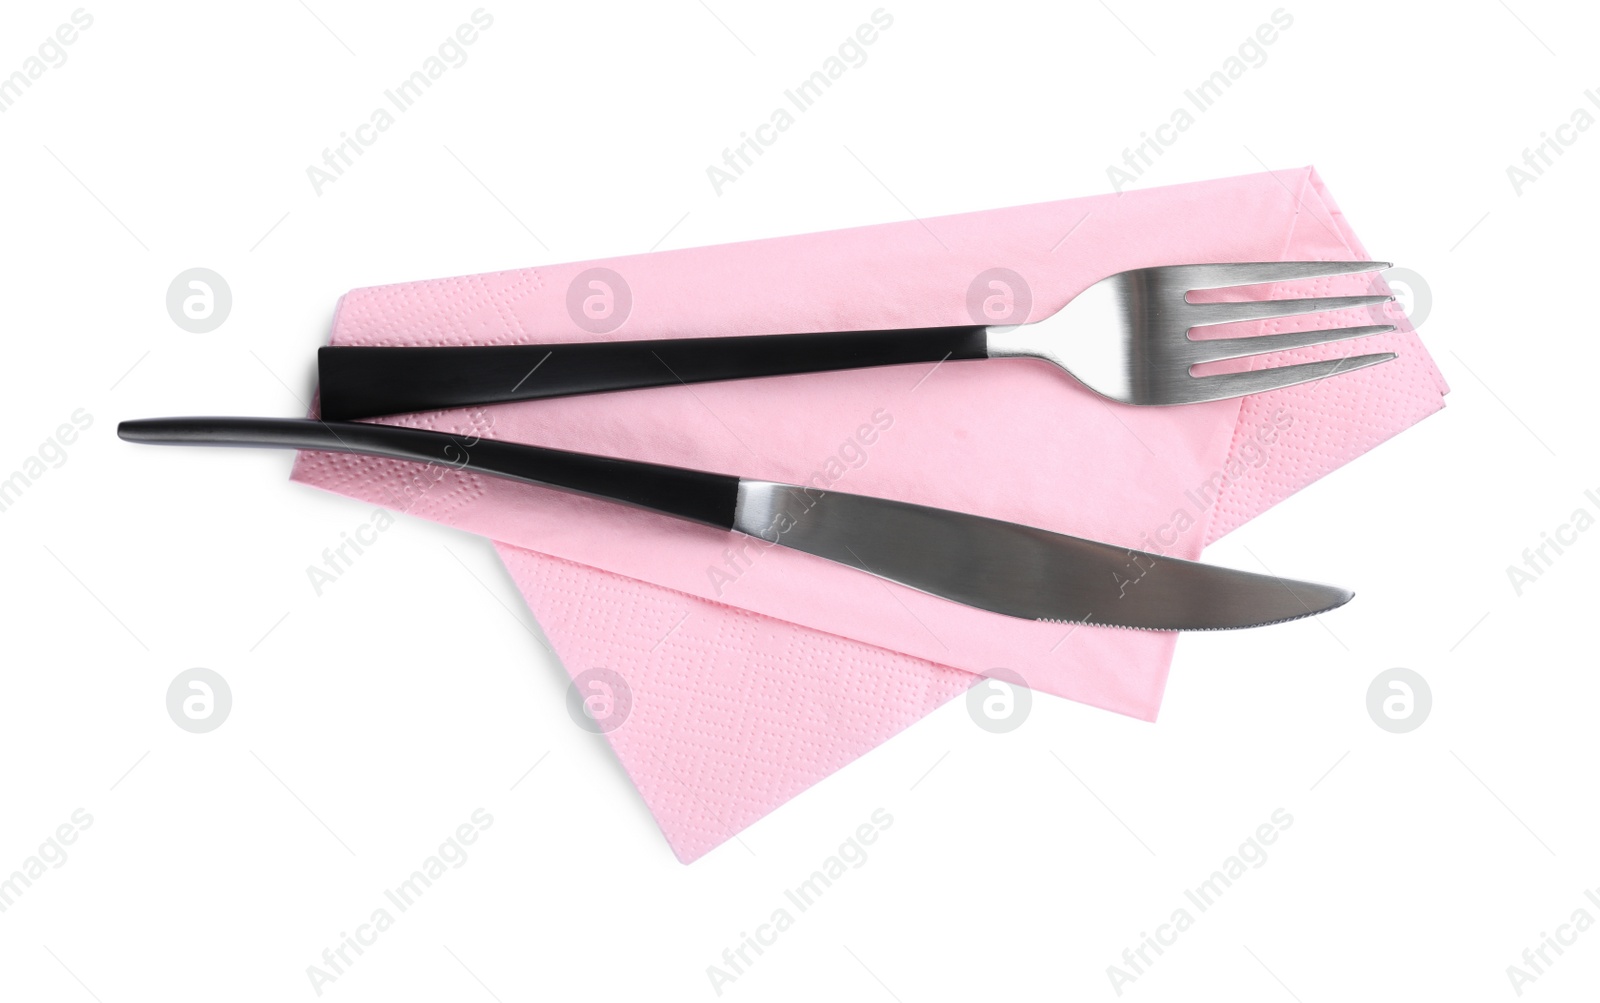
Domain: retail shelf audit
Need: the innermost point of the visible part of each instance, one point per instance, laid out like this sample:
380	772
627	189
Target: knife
1003	567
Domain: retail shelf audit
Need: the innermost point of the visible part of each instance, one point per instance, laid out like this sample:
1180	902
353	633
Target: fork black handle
688	494
370	382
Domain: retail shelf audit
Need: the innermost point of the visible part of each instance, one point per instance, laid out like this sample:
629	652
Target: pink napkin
754	672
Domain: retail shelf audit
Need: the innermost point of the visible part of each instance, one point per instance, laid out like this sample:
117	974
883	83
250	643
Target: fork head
1128	336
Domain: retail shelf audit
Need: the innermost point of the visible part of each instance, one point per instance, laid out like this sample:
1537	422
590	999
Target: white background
368	723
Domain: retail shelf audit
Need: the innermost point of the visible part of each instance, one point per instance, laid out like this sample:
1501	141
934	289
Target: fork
1128	338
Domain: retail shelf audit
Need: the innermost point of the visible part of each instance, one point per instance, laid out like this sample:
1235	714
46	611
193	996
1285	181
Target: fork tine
1246	273
1218	349
1229	313
1226	385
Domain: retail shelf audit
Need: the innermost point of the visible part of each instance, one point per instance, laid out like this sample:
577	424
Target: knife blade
1002	567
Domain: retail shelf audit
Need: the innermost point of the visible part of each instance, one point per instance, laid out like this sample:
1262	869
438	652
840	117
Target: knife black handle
370	382
688	494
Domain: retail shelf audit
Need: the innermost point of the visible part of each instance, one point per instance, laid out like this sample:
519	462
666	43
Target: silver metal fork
1127	338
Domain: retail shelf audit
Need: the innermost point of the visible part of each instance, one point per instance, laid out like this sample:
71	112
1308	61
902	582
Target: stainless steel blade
1020	570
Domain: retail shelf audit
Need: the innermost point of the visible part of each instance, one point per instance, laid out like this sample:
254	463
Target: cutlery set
1127	338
